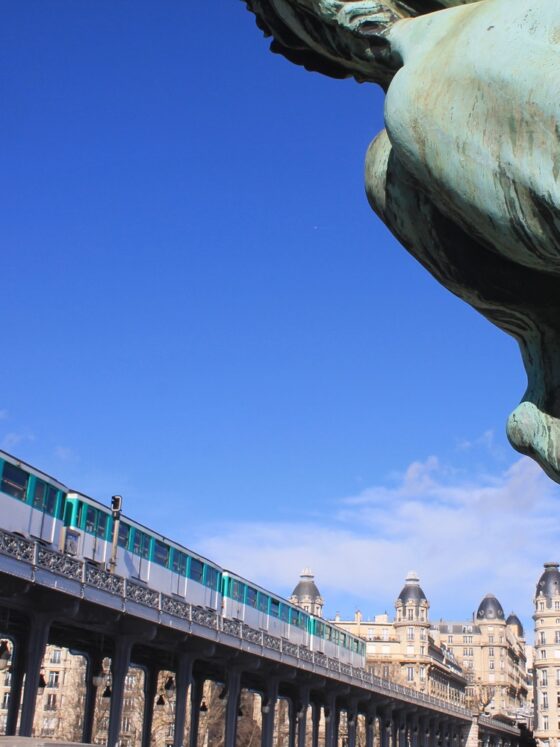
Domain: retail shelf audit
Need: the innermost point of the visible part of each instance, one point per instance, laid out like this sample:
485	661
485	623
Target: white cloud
465	537
64	453
9	440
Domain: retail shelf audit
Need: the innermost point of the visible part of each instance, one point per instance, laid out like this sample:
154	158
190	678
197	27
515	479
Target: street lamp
160	702
99	678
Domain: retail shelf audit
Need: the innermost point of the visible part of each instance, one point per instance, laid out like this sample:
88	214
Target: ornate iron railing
87	575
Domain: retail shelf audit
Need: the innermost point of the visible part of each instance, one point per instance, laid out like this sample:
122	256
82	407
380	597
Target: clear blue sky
201	312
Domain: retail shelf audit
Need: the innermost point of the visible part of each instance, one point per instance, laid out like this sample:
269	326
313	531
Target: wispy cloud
64	454
15	438
465	536
3	414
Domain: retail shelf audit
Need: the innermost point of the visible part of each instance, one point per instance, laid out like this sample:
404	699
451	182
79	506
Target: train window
101	524
141	544
14	481
196	570
274	607
50	500
39	494
263	602
179	562
68	514
90	519
161	553
211	577
124	534
251	597
284	613
319	629
237	590
343	639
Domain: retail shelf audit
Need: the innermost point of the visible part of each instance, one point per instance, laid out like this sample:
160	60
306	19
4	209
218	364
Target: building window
422	650
544	677
5	701
422	613
490	639
54	678
8	679
410	674
423	634
55	656
129	681
50	705
545	722
541	608
558	678
491	664
410	634
542	638
467	639
544	701
422	673
491	652
410	614
127	724
557	605
543	653
370	634
385	634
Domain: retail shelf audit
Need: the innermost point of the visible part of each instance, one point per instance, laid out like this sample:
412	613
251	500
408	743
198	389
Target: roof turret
412	591
490	609
549	582
514	621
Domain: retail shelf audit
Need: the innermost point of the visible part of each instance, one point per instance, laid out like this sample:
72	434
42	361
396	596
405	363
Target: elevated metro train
38	506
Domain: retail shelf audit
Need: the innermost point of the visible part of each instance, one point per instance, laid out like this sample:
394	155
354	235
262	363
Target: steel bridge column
301	716
292	723
94	662
36	645
330	722
233	685
151	675
119	668
370	728
352	726
197	689
17	669
315	721
386	728
183	677
268	710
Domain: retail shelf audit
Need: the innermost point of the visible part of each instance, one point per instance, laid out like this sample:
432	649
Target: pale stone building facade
492	652
404	649
546	662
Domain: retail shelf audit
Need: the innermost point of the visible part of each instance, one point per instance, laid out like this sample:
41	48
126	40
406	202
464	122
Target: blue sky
202	313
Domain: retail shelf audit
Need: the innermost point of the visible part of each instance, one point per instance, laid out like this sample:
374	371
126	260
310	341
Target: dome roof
514	620
412	591
549	582
490	609
306	587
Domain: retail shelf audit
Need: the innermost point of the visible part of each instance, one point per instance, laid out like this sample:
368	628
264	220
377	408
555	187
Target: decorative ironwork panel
103	580
59	563
358	673
346	669
175	607
320	659
270	641
204	616
305	654
142	595
289	648
252	635
334	665
17	547
231	627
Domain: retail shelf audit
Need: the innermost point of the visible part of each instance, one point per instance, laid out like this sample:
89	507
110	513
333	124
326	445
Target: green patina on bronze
465	173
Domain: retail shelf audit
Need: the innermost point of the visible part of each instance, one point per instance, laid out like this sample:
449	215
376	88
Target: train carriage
142	554
31	502
244	600
38	506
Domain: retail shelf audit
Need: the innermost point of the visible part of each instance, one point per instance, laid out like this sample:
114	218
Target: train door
42	521
141	549
179	567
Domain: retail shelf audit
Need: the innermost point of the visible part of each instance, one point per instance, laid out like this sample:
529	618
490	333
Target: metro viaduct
48	597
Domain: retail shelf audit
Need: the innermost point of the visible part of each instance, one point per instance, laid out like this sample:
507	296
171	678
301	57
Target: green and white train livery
35	505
